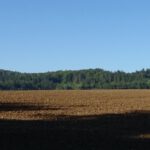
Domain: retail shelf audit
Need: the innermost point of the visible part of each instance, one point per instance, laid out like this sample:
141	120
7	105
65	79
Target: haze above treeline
75	79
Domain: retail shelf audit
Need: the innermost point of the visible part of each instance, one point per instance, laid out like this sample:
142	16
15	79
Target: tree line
81	79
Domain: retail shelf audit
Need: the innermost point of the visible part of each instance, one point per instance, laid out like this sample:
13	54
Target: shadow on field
25	107
103	132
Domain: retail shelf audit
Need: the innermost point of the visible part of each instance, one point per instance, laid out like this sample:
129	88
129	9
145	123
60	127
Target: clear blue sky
48	35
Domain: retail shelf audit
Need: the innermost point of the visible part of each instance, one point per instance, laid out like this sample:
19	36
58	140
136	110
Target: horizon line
63	70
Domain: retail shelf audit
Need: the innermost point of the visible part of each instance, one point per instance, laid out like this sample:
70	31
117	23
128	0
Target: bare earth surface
75	120
35	105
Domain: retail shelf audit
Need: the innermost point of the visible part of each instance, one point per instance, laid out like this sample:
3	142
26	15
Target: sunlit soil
39	105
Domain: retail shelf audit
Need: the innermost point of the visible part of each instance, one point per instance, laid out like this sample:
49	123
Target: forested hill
82	79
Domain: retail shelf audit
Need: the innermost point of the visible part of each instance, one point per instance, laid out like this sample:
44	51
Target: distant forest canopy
82	79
